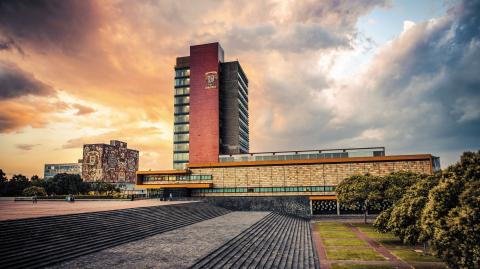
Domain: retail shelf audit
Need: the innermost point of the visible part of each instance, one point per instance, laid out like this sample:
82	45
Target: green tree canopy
403	219
16	185
394	185
34	190
67	184
362	189
451	218
3	183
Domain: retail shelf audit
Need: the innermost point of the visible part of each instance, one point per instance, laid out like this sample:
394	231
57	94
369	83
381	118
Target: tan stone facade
298	177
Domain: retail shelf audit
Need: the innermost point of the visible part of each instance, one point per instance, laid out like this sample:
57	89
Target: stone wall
301	175
291	205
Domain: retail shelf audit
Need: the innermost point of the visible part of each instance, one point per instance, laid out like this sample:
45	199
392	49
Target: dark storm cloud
15	82
441	71
7	43
338	15
45	23
422	94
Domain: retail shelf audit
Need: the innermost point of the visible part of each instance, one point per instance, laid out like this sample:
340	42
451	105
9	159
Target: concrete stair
276	241
39	242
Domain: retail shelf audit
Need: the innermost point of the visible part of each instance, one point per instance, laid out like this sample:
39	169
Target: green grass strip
410	255
359	266
337	234
343	242
362	254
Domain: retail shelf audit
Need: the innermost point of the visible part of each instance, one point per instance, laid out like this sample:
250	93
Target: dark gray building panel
231	94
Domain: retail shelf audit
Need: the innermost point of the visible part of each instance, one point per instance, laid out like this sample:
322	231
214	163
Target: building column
338	207
311	208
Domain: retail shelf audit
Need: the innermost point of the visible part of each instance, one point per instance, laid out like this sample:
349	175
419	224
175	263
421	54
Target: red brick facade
204	103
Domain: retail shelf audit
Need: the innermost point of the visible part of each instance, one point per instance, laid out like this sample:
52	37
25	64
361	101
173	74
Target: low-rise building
51	169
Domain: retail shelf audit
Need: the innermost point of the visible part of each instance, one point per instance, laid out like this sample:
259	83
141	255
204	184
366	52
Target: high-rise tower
211	107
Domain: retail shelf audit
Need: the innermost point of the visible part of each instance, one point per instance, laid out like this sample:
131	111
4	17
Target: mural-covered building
113	163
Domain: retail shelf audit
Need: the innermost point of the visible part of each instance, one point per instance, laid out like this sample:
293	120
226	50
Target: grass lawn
363	254
418	265
359	266
391	243
377	235
343	242
410	255
329	226
336	234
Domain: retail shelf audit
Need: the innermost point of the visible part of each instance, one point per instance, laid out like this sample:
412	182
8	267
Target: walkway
179	248
394	261
10	210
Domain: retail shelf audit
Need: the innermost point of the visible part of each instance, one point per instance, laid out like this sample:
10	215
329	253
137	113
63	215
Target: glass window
180	156
182	81
182	109
181	147
182	73
182	100
181	128
182	91
181	137
181	118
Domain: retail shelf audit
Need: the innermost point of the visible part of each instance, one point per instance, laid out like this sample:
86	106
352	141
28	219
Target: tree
403	219
362	189
3	183
451	218
34	190
394	185
38	182
16	185
67	184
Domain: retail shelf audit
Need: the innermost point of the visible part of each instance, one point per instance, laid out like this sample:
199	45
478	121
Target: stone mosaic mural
113	163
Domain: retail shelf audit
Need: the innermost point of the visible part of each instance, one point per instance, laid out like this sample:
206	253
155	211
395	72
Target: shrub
32	191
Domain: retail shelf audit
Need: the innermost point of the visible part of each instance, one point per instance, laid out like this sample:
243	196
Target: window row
182	73
150	178
181	118
181	109
181	100
243	133
242	107
242	92
180	156
269	189
181	147
243	101
246	158
181	137
181	128
182	91
182	81
245	84
180	164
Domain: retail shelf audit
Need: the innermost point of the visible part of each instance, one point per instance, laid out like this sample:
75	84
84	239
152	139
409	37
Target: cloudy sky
323	74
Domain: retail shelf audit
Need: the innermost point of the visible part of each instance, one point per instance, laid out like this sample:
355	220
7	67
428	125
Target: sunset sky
323	74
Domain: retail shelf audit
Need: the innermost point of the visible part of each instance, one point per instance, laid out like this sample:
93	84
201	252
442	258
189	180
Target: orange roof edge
322	197
164	172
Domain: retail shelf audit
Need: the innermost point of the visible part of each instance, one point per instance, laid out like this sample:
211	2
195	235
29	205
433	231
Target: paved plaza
10	209
179	248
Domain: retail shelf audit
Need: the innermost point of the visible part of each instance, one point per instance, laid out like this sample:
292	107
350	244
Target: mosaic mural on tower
113	163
